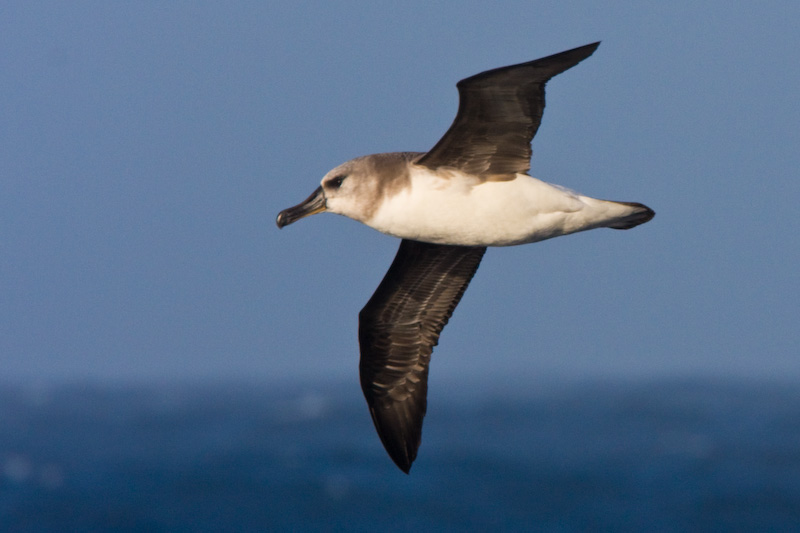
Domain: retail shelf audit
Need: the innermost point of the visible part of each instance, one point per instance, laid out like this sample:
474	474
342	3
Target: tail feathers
640	214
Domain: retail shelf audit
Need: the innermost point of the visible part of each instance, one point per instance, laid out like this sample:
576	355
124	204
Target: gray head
356	188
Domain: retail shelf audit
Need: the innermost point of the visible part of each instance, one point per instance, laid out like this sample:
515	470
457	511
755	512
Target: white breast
451	208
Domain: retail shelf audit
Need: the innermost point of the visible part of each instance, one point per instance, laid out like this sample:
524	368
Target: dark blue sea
670	455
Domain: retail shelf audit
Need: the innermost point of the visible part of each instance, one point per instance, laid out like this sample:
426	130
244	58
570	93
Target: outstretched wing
397	331
499	112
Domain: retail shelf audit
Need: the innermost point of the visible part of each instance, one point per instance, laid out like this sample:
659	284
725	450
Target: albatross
470	191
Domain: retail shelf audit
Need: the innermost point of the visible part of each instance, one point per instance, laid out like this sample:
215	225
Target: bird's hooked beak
310	206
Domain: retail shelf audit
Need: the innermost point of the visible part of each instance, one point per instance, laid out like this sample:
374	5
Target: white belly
462	210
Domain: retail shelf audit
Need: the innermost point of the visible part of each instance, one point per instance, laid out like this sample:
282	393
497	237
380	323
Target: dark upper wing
397	331
499	112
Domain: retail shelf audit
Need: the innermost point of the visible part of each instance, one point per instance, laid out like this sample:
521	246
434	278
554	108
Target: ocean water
672	455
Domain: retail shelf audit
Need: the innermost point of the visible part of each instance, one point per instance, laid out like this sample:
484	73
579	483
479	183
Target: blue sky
147	147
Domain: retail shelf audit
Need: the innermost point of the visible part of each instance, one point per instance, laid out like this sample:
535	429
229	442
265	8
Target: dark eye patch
336	182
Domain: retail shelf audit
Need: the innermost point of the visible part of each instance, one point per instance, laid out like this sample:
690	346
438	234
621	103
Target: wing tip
405	466
399	453
582	52
402	458
401	443
554	64
593	46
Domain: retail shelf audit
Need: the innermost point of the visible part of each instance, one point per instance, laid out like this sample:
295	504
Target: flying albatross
470	191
